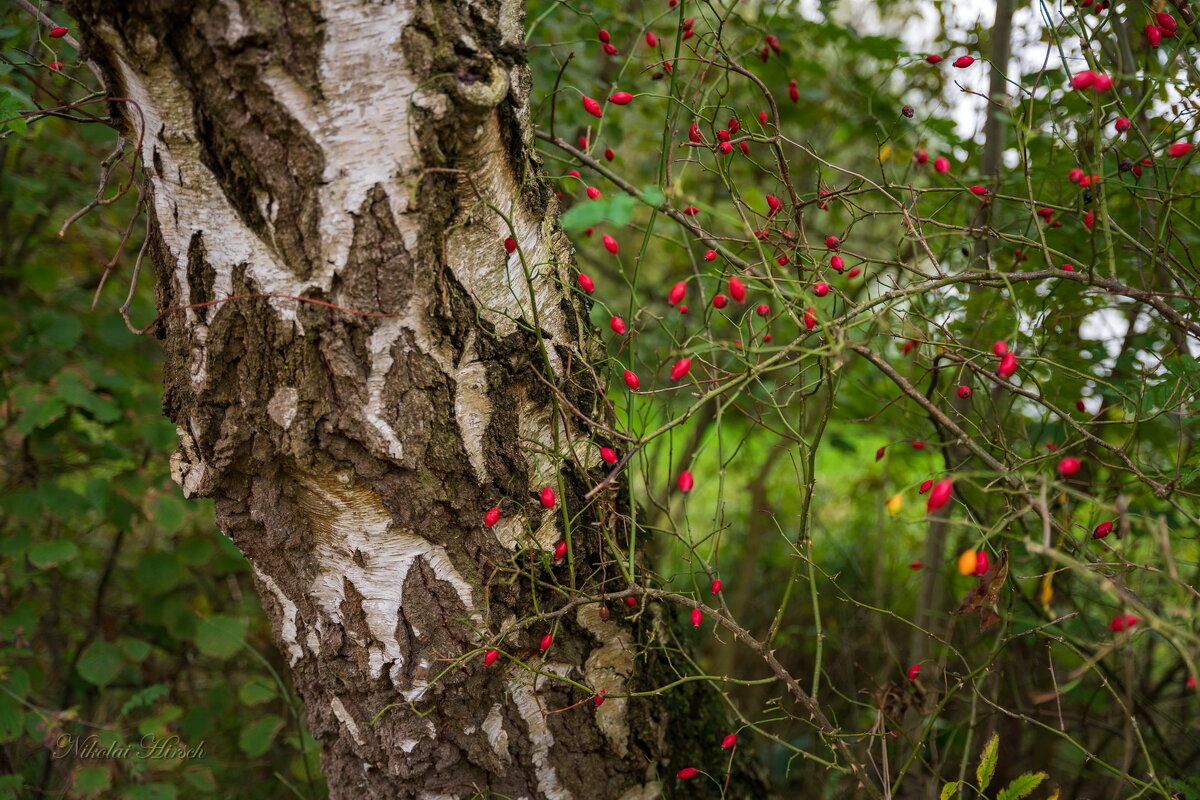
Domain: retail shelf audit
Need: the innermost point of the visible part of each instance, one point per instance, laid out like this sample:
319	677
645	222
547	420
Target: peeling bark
374	155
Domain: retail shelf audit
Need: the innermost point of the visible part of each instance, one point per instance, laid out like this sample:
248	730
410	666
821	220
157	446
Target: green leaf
10	786
201	778
40	414
14	680
136	649
257	690
256	737
616	210
196	551
948	790
157	574
220	636
12	718
12	102
100	663
653	196
91	780
57	330
16	543
168	512
45	555
987	762
1021	786
71	388
144	698
150	791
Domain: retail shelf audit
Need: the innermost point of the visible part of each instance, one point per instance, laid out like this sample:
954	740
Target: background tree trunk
374	156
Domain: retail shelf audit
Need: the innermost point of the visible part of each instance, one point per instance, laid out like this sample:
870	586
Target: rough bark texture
374	155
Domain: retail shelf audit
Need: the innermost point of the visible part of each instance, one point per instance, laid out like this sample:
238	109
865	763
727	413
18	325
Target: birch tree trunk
373	155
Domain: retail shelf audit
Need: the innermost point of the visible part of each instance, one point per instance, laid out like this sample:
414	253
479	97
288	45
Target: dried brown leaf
986	594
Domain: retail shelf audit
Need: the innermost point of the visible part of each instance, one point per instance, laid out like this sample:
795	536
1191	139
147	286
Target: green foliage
1021	786
987	762
123	610
788	507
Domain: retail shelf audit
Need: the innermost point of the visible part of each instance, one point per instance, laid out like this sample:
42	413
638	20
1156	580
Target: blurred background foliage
845	588
125	613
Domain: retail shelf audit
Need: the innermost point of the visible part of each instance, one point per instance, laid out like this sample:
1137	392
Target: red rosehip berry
1164	20
940	495
1008	365
1068	466
677	293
